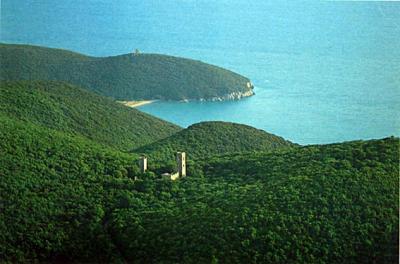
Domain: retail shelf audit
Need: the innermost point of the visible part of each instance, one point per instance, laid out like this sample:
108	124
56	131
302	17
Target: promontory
133	76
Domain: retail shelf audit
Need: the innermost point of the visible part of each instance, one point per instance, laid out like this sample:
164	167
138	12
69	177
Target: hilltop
208	139
69	192
68	108
68	199
124	77
334	203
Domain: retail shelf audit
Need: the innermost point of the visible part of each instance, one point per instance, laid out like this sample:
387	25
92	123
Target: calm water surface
305	99
324	71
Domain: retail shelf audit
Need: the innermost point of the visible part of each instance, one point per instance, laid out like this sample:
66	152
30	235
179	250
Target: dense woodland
207	139
124	77
68	195
68	108
66	198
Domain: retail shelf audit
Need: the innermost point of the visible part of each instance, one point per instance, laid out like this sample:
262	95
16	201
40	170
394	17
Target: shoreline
134	104
234	96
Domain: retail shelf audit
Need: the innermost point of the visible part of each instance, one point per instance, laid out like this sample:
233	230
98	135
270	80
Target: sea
324	71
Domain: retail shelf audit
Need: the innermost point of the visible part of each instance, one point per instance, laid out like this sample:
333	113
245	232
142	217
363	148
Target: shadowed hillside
65	107
208	139
125	77
67	199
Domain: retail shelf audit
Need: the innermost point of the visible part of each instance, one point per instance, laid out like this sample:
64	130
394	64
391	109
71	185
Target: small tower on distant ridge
143	164
181	161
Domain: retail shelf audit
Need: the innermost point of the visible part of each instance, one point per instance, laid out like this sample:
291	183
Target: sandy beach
136	103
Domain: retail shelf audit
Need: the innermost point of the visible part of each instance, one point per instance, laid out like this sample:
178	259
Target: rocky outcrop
228	97
231	96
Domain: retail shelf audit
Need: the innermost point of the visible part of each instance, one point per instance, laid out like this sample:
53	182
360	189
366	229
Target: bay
324	71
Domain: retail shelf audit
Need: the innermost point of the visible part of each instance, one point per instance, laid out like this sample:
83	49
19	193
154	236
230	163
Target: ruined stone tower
181	161
143	164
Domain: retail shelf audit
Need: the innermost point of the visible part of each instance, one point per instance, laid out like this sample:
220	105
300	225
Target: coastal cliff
231	96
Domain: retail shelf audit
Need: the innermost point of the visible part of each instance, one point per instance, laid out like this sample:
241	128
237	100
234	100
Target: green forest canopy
67	198
65	107
207	139
124	77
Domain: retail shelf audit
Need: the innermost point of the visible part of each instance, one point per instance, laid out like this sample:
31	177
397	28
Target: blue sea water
324	71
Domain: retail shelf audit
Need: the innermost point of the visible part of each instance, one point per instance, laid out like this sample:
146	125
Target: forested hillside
125	77
66	199
51	184
65	107
207	139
